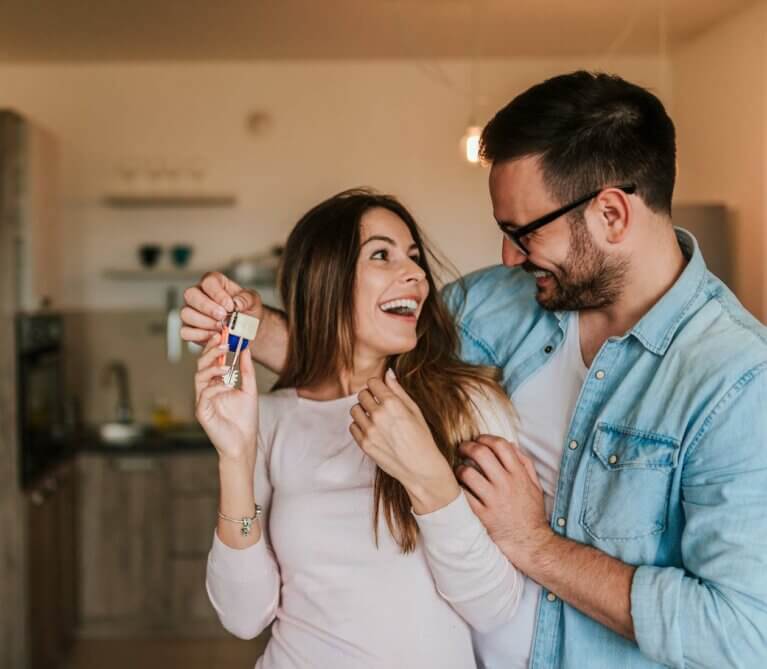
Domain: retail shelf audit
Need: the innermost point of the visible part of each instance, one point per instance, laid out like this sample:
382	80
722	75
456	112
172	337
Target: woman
355	565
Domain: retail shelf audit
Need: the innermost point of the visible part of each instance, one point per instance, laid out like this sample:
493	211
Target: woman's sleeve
470	571
244	584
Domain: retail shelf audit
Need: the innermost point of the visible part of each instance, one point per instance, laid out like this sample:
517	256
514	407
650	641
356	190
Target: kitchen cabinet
51	567
147	523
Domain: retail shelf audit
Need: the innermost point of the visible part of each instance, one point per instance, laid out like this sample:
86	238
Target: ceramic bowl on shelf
180	254
149	254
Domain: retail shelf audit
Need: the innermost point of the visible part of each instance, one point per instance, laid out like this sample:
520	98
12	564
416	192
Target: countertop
181	439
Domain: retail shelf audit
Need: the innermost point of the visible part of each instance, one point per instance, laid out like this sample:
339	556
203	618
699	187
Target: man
641	385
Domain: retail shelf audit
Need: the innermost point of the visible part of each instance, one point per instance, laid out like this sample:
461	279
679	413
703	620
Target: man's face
571	271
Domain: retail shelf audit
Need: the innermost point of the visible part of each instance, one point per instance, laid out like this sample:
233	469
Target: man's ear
613	208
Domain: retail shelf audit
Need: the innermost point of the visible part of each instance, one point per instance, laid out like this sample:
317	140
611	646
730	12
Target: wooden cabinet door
43	576
124	515
67	553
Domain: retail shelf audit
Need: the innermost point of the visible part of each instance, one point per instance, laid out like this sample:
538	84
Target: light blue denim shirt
670	472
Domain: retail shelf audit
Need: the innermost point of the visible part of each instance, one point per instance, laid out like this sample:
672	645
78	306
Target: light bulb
470	144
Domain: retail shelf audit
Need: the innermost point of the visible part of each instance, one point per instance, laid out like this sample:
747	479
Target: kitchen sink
121	434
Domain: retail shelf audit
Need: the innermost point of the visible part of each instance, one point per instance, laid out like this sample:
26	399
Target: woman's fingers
202	379
393	383
360	417
212	390
356	433
367	401
211	353
248	374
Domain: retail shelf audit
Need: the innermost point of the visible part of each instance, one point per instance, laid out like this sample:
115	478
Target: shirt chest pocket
627	483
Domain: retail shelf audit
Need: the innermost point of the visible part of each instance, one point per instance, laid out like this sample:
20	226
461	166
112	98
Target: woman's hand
228	415
208	303
390	428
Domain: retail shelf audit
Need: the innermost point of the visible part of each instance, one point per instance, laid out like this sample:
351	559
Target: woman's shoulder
278	400
273	408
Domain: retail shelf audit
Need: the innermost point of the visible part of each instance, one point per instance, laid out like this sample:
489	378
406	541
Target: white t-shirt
337	599
545	403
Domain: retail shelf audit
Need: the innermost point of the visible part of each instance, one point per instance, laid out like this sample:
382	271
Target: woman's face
390	286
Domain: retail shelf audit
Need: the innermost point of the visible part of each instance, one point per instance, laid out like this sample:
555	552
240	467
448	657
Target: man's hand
208	303
507	497
389	427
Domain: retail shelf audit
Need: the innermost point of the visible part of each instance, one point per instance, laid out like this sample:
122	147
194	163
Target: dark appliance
44	438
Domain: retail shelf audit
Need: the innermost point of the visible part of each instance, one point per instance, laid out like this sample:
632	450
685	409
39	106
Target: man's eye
383	254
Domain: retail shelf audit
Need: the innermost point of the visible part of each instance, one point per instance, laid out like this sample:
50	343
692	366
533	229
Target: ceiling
141	30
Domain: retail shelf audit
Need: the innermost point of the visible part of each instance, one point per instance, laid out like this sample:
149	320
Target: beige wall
720	110
393	125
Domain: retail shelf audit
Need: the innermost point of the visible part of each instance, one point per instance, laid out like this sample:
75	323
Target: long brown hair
316	282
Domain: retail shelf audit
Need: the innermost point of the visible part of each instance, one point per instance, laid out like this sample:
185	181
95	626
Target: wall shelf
170	275
168	200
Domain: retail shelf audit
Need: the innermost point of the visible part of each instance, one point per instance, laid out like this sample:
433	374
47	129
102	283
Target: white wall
720	110
392	125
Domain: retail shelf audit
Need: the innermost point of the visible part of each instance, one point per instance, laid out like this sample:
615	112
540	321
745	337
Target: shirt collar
656	329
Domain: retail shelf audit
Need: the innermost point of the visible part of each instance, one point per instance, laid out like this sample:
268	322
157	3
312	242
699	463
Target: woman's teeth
541	274
400	307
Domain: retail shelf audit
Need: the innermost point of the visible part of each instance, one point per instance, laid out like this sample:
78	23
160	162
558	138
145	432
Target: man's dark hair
590	130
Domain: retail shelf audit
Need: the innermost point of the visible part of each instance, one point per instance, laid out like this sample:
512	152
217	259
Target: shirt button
600	375
548	349
612	459
573	445
551	597
561	522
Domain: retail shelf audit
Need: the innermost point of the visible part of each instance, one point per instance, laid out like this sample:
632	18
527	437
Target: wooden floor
166	654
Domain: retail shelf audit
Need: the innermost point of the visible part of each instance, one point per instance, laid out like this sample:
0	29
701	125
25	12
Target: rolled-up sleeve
712	612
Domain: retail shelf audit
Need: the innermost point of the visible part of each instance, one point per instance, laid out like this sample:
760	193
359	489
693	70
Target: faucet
173	327
123	409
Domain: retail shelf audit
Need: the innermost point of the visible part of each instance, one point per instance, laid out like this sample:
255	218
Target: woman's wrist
429	496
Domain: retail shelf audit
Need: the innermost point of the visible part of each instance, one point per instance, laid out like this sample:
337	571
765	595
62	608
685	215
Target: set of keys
239	330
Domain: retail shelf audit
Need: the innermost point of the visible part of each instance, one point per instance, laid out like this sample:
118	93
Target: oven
44	439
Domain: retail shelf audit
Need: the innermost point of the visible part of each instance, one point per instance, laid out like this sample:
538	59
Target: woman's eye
383	254
416	259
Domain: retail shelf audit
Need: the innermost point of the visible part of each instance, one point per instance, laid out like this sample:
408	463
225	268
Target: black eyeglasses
515	235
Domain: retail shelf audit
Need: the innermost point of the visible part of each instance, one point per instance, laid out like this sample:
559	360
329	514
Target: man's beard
588	279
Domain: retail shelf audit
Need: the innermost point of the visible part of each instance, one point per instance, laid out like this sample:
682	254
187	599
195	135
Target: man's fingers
249	302
194	335
488	462
209	298
476	483
221	289
529	466
476	506
190	317
503	450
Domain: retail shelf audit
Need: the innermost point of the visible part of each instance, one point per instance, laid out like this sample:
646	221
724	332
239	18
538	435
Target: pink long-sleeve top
337	600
